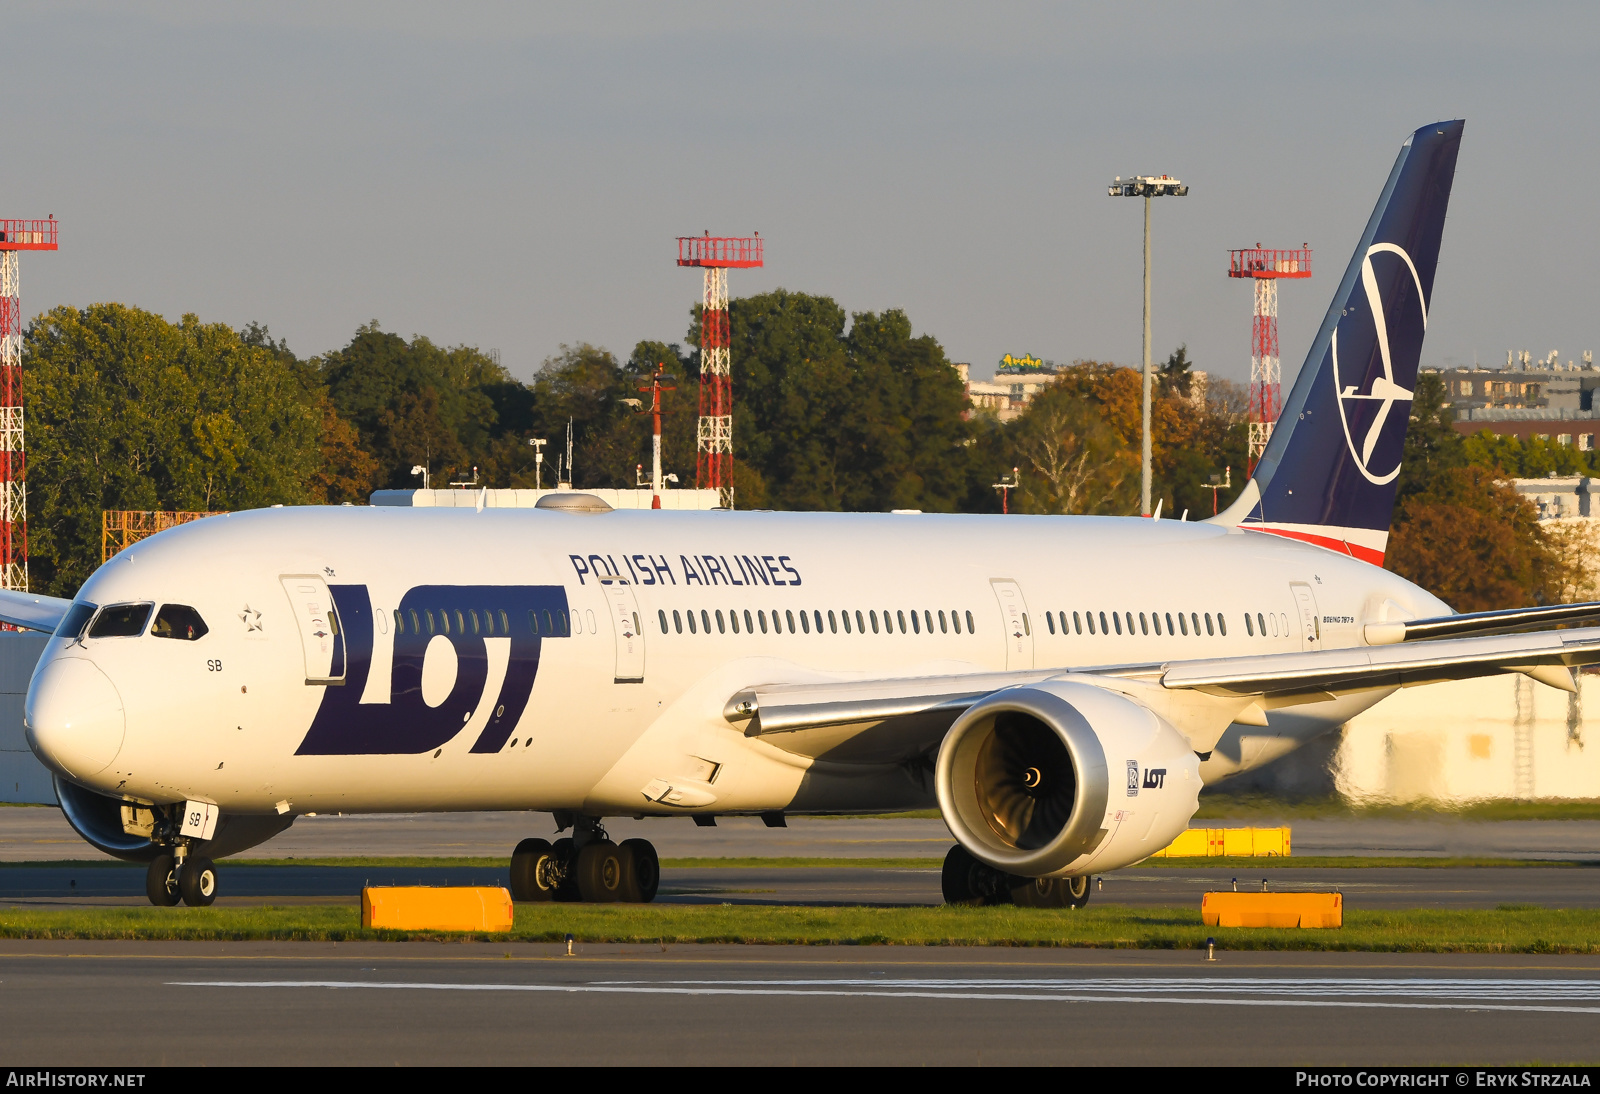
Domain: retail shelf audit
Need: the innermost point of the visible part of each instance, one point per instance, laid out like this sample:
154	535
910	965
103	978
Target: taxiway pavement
492	1003
33	834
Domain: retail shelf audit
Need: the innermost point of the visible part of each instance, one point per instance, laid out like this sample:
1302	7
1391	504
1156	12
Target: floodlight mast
1265	266
658	383
714	440
1147	187
15	235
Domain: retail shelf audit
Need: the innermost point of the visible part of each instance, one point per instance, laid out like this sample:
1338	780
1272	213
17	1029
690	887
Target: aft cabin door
1306	615
630	635
1018	627
321	637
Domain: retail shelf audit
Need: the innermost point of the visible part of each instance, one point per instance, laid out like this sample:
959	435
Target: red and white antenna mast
15	235
1265	266
714	443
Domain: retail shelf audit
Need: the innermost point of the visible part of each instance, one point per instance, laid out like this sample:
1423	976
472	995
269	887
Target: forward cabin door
1014	619
624	609
1305	603
321	638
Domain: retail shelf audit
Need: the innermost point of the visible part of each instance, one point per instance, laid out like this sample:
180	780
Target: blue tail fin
1328	473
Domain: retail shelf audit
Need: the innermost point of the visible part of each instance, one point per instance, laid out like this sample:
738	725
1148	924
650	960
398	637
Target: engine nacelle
123	829
1060	777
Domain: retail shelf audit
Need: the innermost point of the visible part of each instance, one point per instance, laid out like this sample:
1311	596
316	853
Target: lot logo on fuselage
519	616
1354	405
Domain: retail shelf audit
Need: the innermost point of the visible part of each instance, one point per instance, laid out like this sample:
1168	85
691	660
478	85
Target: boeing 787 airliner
1060	686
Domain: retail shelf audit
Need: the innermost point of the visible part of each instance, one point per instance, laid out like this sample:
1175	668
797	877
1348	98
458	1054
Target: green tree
128	411
417	403
1432	445
868	420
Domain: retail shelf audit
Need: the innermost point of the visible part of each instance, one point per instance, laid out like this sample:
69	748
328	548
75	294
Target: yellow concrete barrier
1272	910
424	908
1212	842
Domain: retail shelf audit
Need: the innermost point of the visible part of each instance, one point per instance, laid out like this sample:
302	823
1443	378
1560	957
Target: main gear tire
535	871
197	881
161	881
604	872
645	876
1050	892
959	877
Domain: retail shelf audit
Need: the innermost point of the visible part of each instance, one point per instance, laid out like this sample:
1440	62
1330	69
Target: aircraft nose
74	717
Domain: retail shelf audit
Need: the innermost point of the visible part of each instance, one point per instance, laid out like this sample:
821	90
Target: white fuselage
228	718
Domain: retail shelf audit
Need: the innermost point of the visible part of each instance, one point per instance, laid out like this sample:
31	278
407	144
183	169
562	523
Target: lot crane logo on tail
1384	389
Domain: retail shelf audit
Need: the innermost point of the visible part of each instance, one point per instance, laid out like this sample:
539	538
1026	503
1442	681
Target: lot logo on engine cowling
1155	778
523	616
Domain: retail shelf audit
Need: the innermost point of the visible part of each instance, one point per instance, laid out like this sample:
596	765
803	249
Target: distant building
1561	497
1009	393
1527	399
1018	380
529	499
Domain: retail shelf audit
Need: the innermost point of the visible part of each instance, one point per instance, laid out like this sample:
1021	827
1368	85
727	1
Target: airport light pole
1147	187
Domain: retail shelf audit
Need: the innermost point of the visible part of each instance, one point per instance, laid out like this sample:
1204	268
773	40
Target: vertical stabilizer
1328	473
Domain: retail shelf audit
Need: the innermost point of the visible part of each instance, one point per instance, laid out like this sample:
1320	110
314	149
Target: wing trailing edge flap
32	612
1288	679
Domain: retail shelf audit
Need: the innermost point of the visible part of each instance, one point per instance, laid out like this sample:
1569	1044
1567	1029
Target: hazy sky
513	175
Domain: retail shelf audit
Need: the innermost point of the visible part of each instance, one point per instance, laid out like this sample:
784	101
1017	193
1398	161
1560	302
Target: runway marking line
1290	991
1240	960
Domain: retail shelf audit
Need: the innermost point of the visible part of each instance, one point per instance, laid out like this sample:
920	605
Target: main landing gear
189	878
585	867
968	881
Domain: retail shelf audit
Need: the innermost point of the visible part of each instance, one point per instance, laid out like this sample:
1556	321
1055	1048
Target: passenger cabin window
120	621
77	617
970	628
179	621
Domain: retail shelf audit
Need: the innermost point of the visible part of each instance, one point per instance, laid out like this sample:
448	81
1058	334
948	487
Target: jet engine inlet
1024	782
1022	778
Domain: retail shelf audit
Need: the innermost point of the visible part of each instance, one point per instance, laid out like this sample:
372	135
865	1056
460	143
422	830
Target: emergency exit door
629	633
1305	603
1014	619
321	640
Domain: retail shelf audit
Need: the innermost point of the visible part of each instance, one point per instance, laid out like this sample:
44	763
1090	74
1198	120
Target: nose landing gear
587	867
161	881
189	878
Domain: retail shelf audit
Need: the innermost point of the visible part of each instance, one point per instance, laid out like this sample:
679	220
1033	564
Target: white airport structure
485	498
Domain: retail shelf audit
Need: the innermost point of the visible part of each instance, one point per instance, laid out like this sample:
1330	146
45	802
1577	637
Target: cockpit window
120	621
179	621
77	617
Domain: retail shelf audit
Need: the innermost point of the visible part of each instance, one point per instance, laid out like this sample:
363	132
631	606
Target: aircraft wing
32	612
1481	623
892	720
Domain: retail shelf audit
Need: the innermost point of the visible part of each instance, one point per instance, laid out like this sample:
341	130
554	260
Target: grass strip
1511	929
